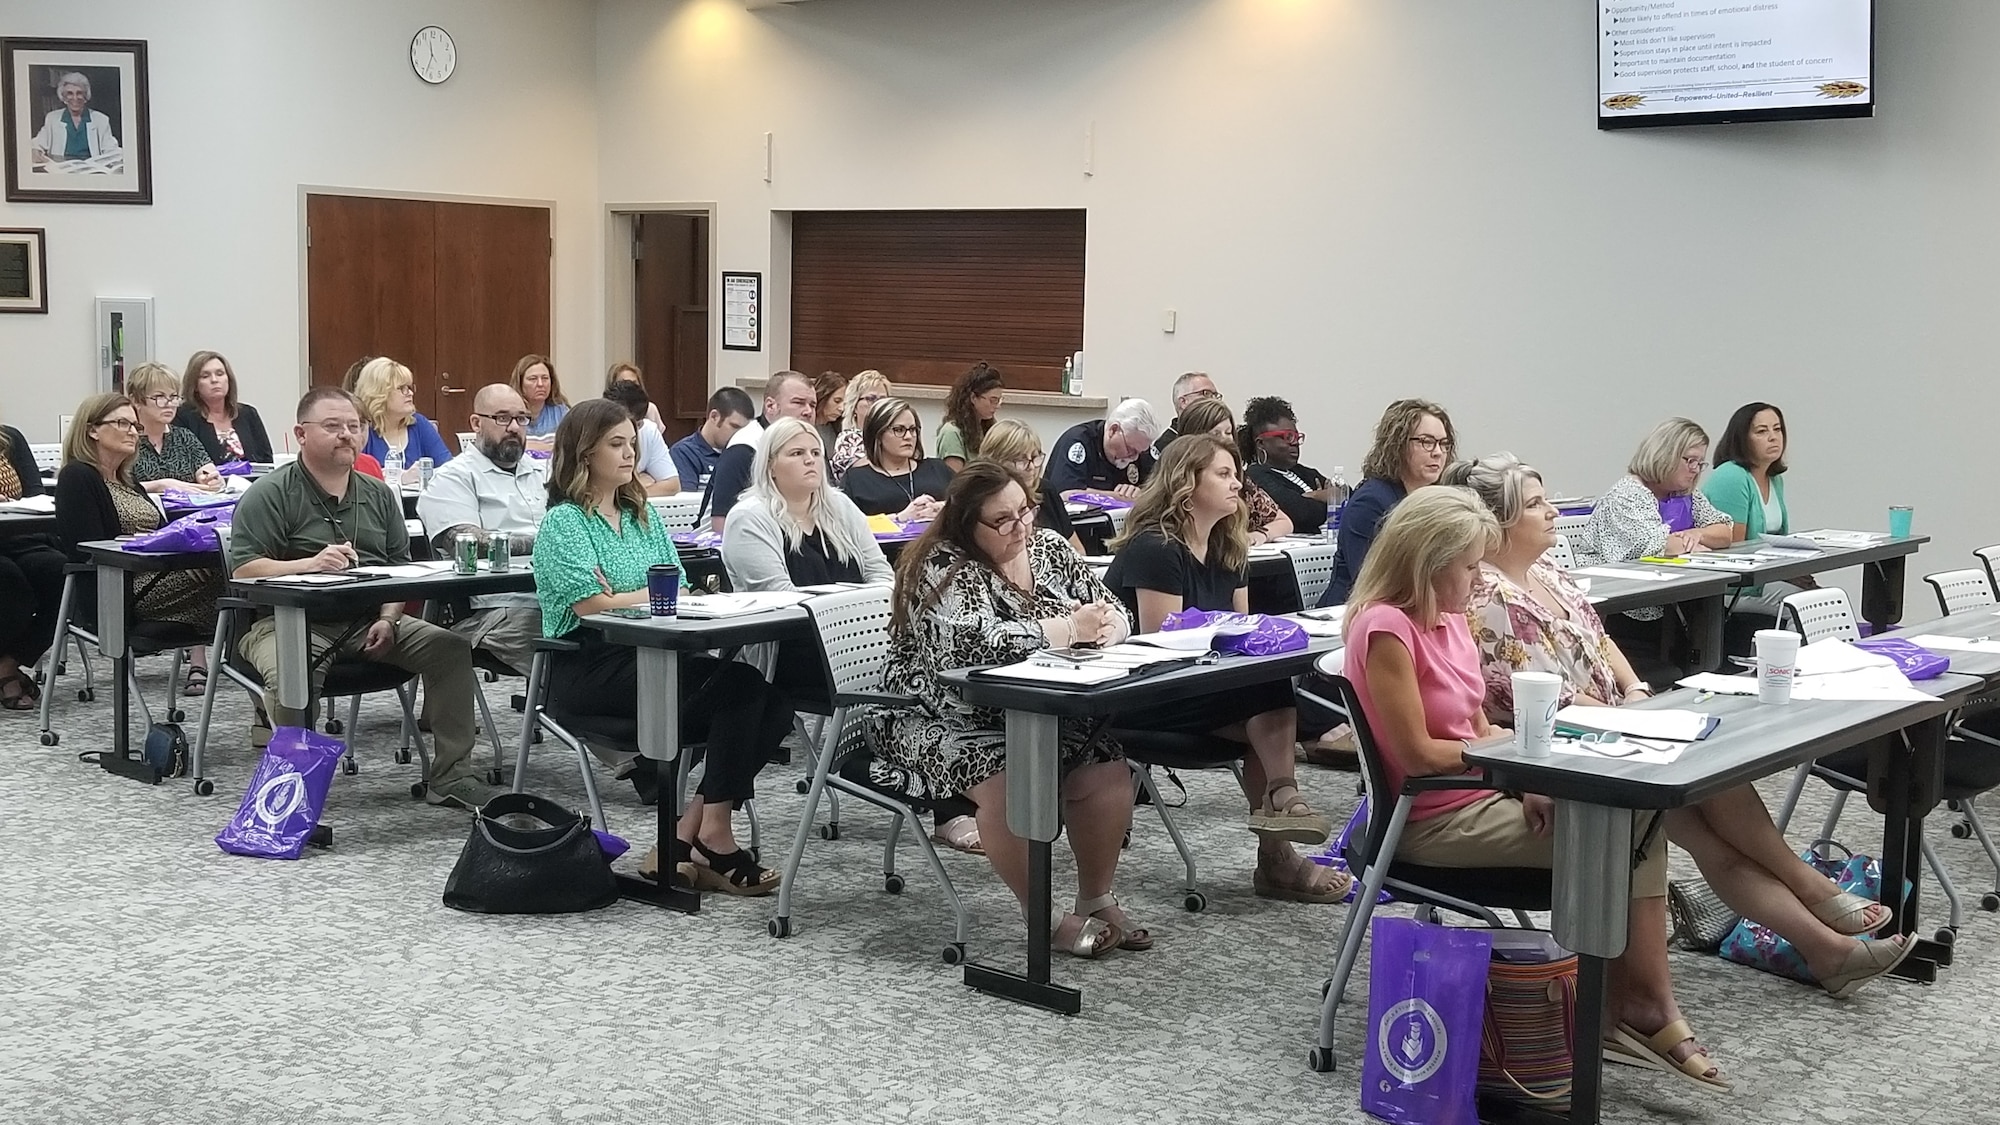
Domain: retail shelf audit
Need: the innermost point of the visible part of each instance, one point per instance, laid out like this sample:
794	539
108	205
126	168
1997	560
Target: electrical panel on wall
124	339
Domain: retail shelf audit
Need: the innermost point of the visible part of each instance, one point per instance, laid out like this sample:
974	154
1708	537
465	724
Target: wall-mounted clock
433	55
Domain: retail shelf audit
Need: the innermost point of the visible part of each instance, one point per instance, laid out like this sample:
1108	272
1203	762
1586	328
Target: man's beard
506	452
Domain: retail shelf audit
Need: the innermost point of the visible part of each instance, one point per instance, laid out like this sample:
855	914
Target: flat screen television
1706	62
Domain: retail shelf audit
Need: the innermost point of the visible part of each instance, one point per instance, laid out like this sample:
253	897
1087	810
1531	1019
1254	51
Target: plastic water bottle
1336	499
392	467
1069	375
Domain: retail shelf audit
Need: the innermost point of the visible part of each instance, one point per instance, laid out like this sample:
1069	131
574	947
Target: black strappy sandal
735	873
679	861
25	697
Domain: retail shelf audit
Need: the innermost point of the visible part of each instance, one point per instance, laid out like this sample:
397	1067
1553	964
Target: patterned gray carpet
150	978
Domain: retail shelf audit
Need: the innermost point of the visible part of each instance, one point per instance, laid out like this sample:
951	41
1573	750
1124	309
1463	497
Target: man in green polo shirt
318	516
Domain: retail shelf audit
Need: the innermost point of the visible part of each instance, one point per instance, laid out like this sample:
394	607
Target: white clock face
433	55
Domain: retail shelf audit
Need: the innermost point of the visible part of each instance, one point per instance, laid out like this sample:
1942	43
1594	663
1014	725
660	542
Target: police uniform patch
1076	453
1132	473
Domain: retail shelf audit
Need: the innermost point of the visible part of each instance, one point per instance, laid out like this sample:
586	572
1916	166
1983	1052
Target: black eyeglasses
506	421
1008	525
906	431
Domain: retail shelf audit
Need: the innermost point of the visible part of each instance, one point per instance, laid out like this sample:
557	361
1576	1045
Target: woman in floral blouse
1655	509
983	586
1528	616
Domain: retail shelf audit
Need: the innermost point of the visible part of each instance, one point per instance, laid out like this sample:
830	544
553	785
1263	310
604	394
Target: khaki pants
508	632
441	657
1491	832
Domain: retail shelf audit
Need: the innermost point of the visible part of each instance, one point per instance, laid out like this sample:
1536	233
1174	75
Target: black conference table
1597	799
1034	775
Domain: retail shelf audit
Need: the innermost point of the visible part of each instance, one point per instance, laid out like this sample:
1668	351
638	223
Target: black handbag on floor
529	855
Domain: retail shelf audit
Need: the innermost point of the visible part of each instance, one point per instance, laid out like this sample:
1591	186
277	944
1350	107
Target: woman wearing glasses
99	497
1413	441
397	433
983	586
169	456
969	411
1014	447
1655	508
896	479
863	392
1270	445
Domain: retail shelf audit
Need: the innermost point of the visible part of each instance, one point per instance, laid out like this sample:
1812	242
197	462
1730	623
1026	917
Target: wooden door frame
620	329
305	297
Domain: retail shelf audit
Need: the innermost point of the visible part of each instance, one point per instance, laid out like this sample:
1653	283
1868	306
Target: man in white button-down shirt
493	486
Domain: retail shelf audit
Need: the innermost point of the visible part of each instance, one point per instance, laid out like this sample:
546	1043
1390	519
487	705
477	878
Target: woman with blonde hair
534	379
1528	616
863	392
1416	671
229	428
791	528
397	433
1185	546
1655	509
1014	446
622	372
169	456
591	555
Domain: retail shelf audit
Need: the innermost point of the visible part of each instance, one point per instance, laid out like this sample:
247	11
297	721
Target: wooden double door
457	292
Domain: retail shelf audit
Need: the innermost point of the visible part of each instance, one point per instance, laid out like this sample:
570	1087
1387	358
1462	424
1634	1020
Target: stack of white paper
45	504
1621	572
1956	644
1831	656
1094	672
1672	724
699	607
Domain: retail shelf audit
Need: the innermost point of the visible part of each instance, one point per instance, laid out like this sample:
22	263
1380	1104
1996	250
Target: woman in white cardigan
791	528
74	132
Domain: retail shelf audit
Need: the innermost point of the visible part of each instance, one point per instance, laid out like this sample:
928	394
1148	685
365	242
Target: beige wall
252	99
1348	201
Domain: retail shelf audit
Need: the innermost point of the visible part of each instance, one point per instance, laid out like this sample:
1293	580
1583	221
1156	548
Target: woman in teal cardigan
1748	484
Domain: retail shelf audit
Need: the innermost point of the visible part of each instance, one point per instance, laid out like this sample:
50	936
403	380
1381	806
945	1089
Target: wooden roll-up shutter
922	295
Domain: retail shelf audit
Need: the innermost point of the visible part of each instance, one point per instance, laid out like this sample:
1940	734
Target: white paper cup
1777	664
1536	697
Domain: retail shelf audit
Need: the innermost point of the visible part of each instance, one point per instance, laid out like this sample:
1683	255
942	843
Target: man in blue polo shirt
1114	455
696	454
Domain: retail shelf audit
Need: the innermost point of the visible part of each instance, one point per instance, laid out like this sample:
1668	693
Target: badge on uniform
1076	453
1132	473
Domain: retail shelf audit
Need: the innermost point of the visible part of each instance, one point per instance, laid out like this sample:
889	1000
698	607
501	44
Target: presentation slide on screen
1698	56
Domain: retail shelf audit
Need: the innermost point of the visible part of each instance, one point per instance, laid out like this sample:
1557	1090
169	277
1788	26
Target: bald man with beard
493	485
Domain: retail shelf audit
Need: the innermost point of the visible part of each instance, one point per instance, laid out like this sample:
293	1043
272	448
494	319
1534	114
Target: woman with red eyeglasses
1271	441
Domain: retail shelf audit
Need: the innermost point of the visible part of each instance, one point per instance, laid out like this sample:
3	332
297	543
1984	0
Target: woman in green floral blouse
591	554
169	456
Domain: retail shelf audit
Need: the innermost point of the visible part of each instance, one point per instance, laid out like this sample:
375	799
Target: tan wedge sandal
1296	822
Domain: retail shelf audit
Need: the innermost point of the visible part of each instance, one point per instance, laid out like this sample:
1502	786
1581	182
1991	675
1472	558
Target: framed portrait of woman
77	129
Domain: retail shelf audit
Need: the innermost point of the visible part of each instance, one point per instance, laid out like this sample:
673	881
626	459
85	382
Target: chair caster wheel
892	883
830	830
50	738
1320	1059
1195	902
1945	936
62	669
1961	831
177	716
402	757
954	954
333	726
349	766
416	790
802	787
779	927
85	695
203	787
496	776
756	855
1989	902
